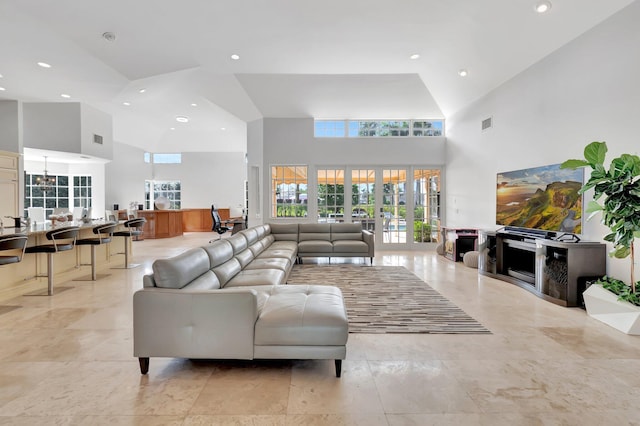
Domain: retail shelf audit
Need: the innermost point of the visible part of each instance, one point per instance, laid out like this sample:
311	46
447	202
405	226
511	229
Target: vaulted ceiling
329	59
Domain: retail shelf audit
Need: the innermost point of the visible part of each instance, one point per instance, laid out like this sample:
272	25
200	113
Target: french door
401	205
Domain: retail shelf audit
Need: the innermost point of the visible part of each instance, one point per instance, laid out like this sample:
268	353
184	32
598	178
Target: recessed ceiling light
463	73
182	119
1	76
172	128
126	103
109	36
542	6
194	105
44	65
414	56
223	128
235	57
142	90
64	95
2	89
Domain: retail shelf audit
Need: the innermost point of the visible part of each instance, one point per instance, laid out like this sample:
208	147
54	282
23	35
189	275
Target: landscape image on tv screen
543	198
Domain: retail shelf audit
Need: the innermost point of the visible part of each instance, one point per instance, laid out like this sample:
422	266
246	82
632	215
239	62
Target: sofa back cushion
284	231
227	270
223	264
255	244
238	243
262	231
180	270
219	252
206	281
314	231
346	231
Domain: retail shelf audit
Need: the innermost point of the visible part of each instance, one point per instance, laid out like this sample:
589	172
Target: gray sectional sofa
227	299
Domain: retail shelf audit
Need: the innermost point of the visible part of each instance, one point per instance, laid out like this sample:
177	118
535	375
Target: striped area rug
389	299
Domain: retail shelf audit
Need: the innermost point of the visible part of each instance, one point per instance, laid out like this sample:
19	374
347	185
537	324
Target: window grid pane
378	128
289	191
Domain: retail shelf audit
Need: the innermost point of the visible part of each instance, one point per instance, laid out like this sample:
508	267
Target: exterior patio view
376	197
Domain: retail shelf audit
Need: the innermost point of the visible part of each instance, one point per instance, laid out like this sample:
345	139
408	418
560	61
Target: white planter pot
604	306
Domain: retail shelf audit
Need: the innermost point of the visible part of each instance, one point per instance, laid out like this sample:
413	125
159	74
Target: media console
549	265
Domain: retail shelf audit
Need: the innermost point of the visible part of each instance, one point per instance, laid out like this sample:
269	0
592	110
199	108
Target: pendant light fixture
45	182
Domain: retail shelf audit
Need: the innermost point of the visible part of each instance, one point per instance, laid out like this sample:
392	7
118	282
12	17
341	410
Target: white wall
96	122
291	141
125	176
588	90
206	178
52	125
10	126
255	160
67	127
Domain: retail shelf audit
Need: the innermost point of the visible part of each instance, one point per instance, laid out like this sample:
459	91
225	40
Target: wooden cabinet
458	241
199	220
161	223
8	184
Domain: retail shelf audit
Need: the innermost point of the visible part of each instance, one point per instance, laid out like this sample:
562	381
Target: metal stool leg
127	254
93	263
50	274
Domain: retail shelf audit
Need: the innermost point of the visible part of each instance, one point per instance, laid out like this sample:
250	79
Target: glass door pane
363	198
330	195
394	209
426	210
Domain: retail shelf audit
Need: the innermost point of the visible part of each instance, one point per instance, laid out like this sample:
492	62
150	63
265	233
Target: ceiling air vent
97	139
487	123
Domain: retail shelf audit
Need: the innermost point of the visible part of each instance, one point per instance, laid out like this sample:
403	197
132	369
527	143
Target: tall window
331	195
289	191
170	189
363	197
426	210
65	194
82	191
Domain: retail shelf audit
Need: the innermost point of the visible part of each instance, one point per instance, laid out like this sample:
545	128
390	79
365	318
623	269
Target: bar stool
104	233
62	239
133	229
14	243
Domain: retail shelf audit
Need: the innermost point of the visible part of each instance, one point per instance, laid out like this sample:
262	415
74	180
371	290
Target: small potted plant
618	187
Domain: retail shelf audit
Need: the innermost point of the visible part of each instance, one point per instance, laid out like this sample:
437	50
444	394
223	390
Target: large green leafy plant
620	207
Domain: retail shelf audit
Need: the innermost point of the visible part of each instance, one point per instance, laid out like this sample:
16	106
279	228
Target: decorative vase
604	306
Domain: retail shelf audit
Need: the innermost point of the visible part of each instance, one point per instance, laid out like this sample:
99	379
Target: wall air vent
97	139
487	123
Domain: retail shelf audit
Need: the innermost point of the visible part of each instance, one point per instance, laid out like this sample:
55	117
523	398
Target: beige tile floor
67	360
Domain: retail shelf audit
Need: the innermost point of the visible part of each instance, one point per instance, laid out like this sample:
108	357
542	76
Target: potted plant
608	299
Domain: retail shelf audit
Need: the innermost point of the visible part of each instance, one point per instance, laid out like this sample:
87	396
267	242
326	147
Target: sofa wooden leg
338	367
144	365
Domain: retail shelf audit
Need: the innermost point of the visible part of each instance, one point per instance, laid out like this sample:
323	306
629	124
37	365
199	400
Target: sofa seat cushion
269	263
350	246
314	246
285	245
250	277
303	315
277	253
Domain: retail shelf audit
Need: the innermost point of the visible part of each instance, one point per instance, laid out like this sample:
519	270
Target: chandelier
45	182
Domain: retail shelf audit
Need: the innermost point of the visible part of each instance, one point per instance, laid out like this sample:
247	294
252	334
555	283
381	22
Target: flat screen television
542	198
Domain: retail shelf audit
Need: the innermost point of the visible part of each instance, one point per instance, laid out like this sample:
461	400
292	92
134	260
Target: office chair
217	222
